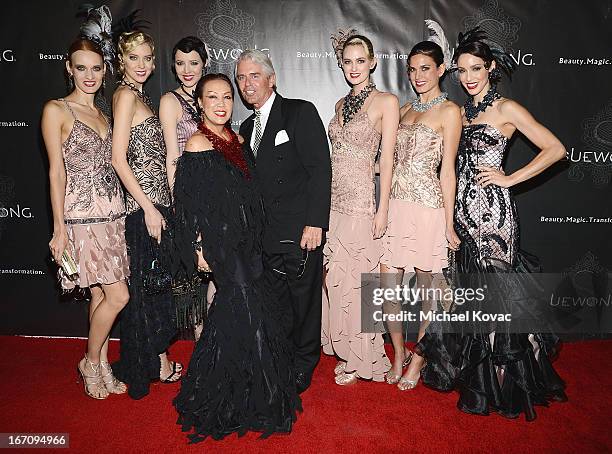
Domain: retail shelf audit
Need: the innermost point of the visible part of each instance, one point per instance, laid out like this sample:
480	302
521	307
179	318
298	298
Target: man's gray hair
256	56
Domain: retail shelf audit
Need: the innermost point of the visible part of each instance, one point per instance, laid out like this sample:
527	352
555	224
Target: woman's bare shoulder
198	143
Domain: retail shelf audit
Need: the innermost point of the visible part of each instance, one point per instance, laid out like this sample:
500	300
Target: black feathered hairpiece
129	23
502	58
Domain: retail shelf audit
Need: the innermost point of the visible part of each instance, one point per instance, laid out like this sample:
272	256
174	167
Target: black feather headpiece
502	58
129	23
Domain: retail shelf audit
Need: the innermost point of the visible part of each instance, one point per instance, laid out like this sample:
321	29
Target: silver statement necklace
419	106
354	103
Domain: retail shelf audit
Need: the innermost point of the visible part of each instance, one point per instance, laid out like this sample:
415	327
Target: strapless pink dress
416	233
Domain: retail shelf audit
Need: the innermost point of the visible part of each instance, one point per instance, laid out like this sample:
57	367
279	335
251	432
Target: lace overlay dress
415	236
350	249
241	375
94	211
493	369
148	320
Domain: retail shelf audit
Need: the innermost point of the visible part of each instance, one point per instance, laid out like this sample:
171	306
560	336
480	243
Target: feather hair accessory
97	28
338	39
129	23
438	37
502	57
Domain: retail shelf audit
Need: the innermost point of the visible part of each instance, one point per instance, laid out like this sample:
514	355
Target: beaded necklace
354	103
419	106
472	111
230	149
141	94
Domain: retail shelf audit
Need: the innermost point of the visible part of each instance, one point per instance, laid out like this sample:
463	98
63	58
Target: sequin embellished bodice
93	191
485	218
187	124
147	158
354	149
418	152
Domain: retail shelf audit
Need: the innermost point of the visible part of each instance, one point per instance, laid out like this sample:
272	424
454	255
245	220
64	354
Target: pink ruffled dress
94	210
416	233
350	249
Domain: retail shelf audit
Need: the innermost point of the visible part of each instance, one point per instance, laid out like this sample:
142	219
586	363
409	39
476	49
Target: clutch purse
69	266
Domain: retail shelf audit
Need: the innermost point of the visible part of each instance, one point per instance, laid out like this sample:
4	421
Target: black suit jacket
295	176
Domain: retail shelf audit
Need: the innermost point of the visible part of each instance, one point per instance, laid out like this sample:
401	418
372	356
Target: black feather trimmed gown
507	372
240	377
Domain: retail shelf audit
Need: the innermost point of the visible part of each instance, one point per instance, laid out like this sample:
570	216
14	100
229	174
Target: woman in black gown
493	367
240	377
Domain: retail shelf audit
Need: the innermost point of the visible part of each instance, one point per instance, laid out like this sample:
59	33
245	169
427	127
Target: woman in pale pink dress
88	208
421	205
365	119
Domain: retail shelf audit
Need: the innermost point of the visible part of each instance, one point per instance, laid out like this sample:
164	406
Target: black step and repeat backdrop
563	50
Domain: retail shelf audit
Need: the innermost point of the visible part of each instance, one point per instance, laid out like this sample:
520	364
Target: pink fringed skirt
415	237
349	251
100	253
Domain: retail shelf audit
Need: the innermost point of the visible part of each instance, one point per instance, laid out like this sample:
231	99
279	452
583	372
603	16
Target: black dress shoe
302	382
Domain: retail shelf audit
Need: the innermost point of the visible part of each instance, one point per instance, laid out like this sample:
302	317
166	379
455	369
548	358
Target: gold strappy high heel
405	383
340	367
345	379
111	383
92	383
393	378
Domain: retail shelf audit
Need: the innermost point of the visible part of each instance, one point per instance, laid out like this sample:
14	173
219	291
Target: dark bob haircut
186	45
210	77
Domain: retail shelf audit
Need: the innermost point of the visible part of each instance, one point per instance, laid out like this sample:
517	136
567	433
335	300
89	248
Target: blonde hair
360	40
127	43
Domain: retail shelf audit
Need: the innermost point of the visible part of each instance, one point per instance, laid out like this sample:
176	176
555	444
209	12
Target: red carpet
40	394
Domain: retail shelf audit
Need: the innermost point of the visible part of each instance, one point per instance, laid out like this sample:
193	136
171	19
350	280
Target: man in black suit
288	141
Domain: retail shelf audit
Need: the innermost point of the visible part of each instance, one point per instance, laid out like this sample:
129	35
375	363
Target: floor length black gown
507	372
240	377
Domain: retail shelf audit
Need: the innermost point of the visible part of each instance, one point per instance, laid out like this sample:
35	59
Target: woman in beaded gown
421	207
240	376
365	119
88	208
494	369
139	156
179	119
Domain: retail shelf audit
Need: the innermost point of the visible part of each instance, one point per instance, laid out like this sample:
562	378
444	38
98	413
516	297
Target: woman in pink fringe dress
365	119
